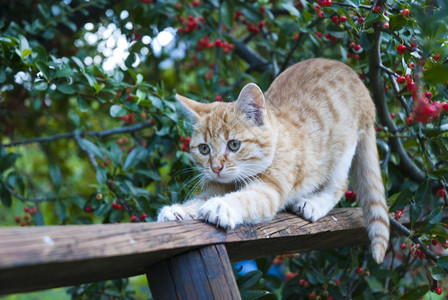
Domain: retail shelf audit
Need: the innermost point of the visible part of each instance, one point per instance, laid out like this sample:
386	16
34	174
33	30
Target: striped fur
297	144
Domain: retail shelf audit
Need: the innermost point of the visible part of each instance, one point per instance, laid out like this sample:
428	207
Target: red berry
436	57
312	296
329	3
360	20
262	9
319	34
114	205
392	115
111	183
301	281
411	65
438	291
359	270
445	106
398	214
356	56
401	49
134	219
409	121
405	12
320	14
408	78
357	47
434	242
330	298
343	19
386	24
218	98
27	209
401	80
143	217
350	196
306	283
403	246
195	3
377	9
119	207
335	19
441	193
88	209
17	219
428	95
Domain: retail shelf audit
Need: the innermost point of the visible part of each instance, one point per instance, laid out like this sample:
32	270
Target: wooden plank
198	274
53	256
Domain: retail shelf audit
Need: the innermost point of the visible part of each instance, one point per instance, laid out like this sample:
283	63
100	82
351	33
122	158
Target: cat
290	149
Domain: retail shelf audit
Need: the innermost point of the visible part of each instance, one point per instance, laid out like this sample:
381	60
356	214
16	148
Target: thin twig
98	134
401	229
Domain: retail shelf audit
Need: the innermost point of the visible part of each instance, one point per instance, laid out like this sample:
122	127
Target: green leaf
437	74
65	89
415	212
5	195
40	86
78	62
364	40
422	196
436	215
117	111
83	105
415	293
7	161
102	210
249	279
135	156
55	175
291	9
64	72
397	22
61	211
101	175
403	199
42	66
227	12
2	74
372	18
438	273
90	147
26	52
443	262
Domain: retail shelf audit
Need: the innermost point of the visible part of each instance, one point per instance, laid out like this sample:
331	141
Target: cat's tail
368	183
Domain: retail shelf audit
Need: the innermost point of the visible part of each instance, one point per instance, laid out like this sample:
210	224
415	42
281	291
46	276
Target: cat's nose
217	169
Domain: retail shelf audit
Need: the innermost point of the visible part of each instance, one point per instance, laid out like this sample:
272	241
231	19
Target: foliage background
94	80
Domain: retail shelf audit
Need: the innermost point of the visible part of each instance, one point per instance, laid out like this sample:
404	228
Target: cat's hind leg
316	205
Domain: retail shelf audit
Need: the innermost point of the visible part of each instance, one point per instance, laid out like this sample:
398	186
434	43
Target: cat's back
323	87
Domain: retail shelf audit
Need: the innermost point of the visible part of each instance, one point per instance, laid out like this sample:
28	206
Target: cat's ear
192	109
251	102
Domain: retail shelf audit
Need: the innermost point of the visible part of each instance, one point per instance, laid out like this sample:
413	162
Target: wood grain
37	258
205	273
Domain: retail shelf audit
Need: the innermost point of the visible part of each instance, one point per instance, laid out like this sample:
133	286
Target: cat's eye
204	149
234	145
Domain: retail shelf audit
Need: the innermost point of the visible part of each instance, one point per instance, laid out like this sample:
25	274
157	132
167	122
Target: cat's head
234	141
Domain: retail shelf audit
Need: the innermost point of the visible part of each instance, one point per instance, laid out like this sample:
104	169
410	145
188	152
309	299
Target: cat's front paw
218	211
176	213
309	210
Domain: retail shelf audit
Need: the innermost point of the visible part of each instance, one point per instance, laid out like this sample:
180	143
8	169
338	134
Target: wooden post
204	273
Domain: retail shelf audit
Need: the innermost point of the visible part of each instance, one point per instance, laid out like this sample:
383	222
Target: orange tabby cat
291	148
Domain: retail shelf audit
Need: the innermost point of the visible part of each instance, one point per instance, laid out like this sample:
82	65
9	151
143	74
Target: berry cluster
190	24
29	212
185	143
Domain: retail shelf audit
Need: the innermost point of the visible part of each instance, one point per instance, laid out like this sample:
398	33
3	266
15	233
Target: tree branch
255	61
401	229
406	164
98	134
